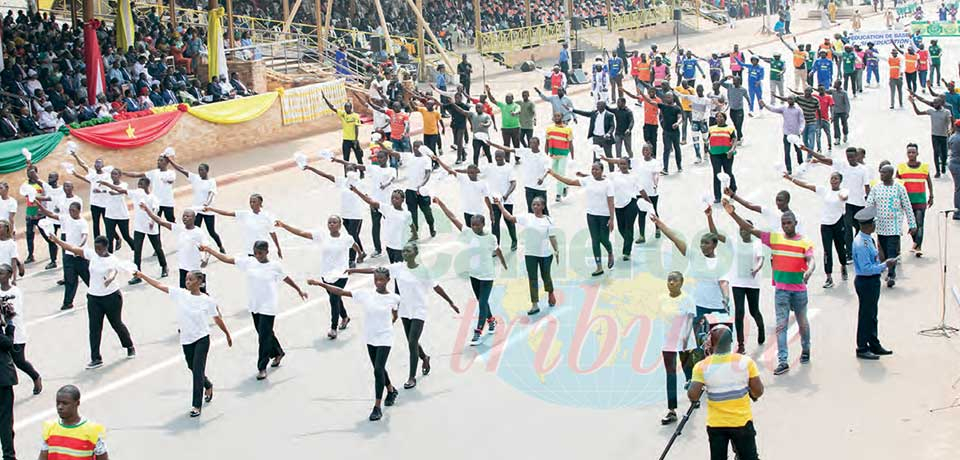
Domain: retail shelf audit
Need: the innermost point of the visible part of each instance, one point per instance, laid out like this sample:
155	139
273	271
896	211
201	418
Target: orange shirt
640	70
911	60
894	63
651	112
431	121
828	49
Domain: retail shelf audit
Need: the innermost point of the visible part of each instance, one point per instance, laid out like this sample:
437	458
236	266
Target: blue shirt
824	69
564	55
754	73
442	81
689	66
614	66
953	102
866	260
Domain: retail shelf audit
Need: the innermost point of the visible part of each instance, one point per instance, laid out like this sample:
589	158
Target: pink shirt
659	73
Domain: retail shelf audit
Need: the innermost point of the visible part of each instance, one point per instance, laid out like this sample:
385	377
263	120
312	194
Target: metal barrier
641	18
500	41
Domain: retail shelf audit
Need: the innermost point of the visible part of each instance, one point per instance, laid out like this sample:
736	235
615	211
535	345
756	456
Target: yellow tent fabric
125	26
236	110
216	55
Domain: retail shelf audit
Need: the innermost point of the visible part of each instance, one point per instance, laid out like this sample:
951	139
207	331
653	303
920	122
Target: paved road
488	400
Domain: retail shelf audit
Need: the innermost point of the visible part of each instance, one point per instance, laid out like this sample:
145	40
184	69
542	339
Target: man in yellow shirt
432	124
350	122
686	87
731	381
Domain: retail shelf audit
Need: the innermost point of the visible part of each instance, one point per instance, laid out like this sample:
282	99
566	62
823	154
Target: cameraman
8	378
728	379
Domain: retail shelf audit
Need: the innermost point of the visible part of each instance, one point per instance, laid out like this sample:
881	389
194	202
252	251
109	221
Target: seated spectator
239	87
129	103
145	99
27	124
214	90
8	125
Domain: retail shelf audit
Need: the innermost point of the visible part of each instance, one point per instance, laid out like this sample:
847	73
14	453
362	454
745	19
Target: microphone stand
942	329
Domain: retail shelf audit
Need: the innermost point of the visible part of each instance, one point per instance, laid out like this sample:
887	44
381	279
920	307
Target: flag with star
126	134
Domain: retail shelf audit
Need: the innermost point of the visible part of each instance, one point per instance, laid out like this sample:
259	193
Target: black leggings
599	234
481	290
375	217
752	296
97	214
421	202
919	214
210	221
511	137
378	358
337	310
352	226
196	355
268	346
722	163
833	234
642	215
111	306
542	264
478	147
511	226
32	224
625	217
157	247
939	153
786	155
347	146
413	328
851	227
74	269
166	212
111	226
670	366
525	136
20	360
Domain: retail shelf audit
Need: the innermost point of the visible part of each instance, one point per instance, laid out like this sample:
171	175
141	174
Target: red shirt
651	112
826	101
398	124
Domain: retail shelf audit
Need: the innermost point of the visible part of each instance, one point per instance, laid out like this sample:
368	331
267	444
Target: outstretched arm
363	196
152	282
507	216
800	183
218	255
220	211
330	288
75	250
570	182
450	215
179	168
671	235
320	173
743	202
739	220
162	222
294	230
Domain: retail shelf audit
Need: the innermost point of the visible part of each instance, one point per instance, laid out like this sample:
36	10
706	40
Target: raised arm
450	215
799	183
75	250
218	255
363	196
320	173
710	225
294	230
743	202
162	222
486	89
178	167
743	224
671	235
507	216
220	211
327	102
152	282
80	162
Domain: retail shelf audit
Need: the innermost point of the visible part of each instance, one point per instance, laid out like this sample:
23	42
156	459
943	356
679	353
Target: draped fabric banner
11	158
216	54
936	28
306	102
129	133
124	25
236	110
96	78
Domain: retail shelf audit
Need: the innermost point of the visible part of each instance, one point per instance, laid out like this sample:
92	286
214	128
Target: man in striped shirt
915	176
723	146
793	263
559	147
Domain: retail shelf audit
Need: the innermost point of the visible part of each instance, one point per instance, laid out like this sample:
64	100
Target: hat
866	215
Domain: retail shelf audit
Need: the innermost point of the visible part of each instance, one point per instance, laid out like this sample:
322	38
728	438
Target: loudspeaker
577	58
575	23
676	14
577	77
376	44
528	66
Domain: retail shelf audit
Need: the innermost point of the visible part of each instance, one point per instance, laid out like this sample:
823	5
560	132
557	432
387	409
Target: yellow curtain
216	55
125	26
236	110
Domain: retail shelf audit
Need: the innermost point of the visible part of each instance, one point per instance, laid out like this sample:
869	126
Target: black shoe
66	307
134	280
491	325
513	247
657	234
131	353
880	351
868	355
391	398
51	265
891	282
376	414
61	282
533	311
164	273
781	369
476	339
29	260
95	364
433	233
668	419
804	357
761	337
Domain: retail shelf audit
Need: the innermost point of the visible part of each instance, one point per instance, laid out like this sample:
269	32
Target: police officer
868	267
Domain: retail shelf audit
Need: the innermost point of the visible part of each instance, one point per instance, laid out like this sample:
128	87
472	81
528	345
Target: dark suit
609	124
7	129
240	88
213	90
29	126
8	378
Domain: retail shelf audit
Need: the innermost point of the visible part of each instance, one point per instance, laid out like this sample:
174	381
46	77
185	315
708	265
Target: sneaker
61	282
937	175
476	339
843	273
668	419
131	353
376	255
533	310
557	198
781	369
491	325
391	398
664	172
376	414
828	284
891	282
50	266
761	337
805	357
95	364
640	240
29	260
513	247
66	307
433	233
741	349
134	280
164	273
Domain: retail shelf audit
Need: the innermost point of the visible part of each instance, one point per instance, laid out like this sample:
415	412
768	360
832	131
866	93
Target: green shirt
776	69
849	61
811	56
528	112
935	53
508	115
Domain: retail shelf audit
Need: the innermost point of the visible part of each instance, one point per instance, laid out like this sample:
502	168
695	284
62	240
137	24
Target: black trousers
210	221
74	269
111	306
375	218
511	138
394	255
32	224
511	226
19	354
736	116
840	122
744	440
157	248
543	264
670	366
196	355
722	163
625	218
831	236
97	214
786	155
459	139
413	328
642	215
606	146
599	234
889	247
752	297
852	227
525	136
348	146
421	202
479	147
671	143
337	310
939	153
530	194
912	82
268	346
650	137
919	214
378	358
353	226
481	290
112	226
6	422
868	296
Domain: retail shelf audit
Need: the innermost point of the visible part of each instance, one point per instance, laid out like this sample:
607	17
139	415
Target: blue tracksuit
755	75
689	68
823	68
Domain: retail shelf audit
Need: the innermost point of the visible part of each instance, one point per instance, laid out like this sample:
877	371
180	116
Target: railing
499	41
640	18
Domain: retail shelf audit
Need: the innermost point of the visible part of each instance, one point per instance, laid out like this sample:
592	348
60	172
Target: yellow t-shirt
726	378
349	122
685	103
431	121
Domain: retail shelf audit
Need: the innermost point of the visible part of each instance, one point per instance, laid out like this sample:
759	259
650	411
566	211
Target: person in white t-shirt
257	224
676	311
414	282
98	194
194	310
351	208
8	206
73	230
204	190
856	179
52	193
540	249
103	296
771	214
189	239
474	193
380	311
379	179
481	249
8	249
503	186
626	190
143	226
13	296
116	217
397	222
745	282
832	226
335	248
418	168
263	280
600	210
534	169
161	181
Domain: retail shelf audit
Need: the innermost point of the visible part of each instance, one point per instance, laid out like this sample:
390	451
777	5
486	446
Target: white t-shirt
480	248
416	169
202	189
161	183
648	173
351	206
193	314
99	267
396	226
141	220
536	233
745	258
532	167
334	254
625	188
855	178
116	203
20	326
677	314
263	282
72	230
597	193
414	286
8	251
61	206
55	194
704	270
377	177
256	227
472	193
498	181
377	316
834	205
7	207
98	199
189	256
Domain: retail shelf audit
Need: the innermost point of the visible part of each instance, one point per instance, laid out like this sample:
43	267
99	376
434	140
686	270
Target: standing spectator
892	203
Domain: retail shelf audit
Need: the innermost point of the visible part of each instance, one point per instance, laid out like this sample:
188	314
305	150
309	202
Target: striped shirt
915	181
810	106
727	381
721	139
559	139
788	259
73	442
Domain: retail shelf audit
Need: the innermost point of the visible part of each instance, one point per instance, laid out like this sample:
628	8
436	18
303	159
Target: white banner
881	37
305	103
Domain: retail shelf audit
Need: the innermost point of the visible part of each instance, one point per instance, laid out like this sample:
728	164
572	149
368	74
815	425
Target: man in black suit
8	378
238	85
214	90
8	126
601	133
28	126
